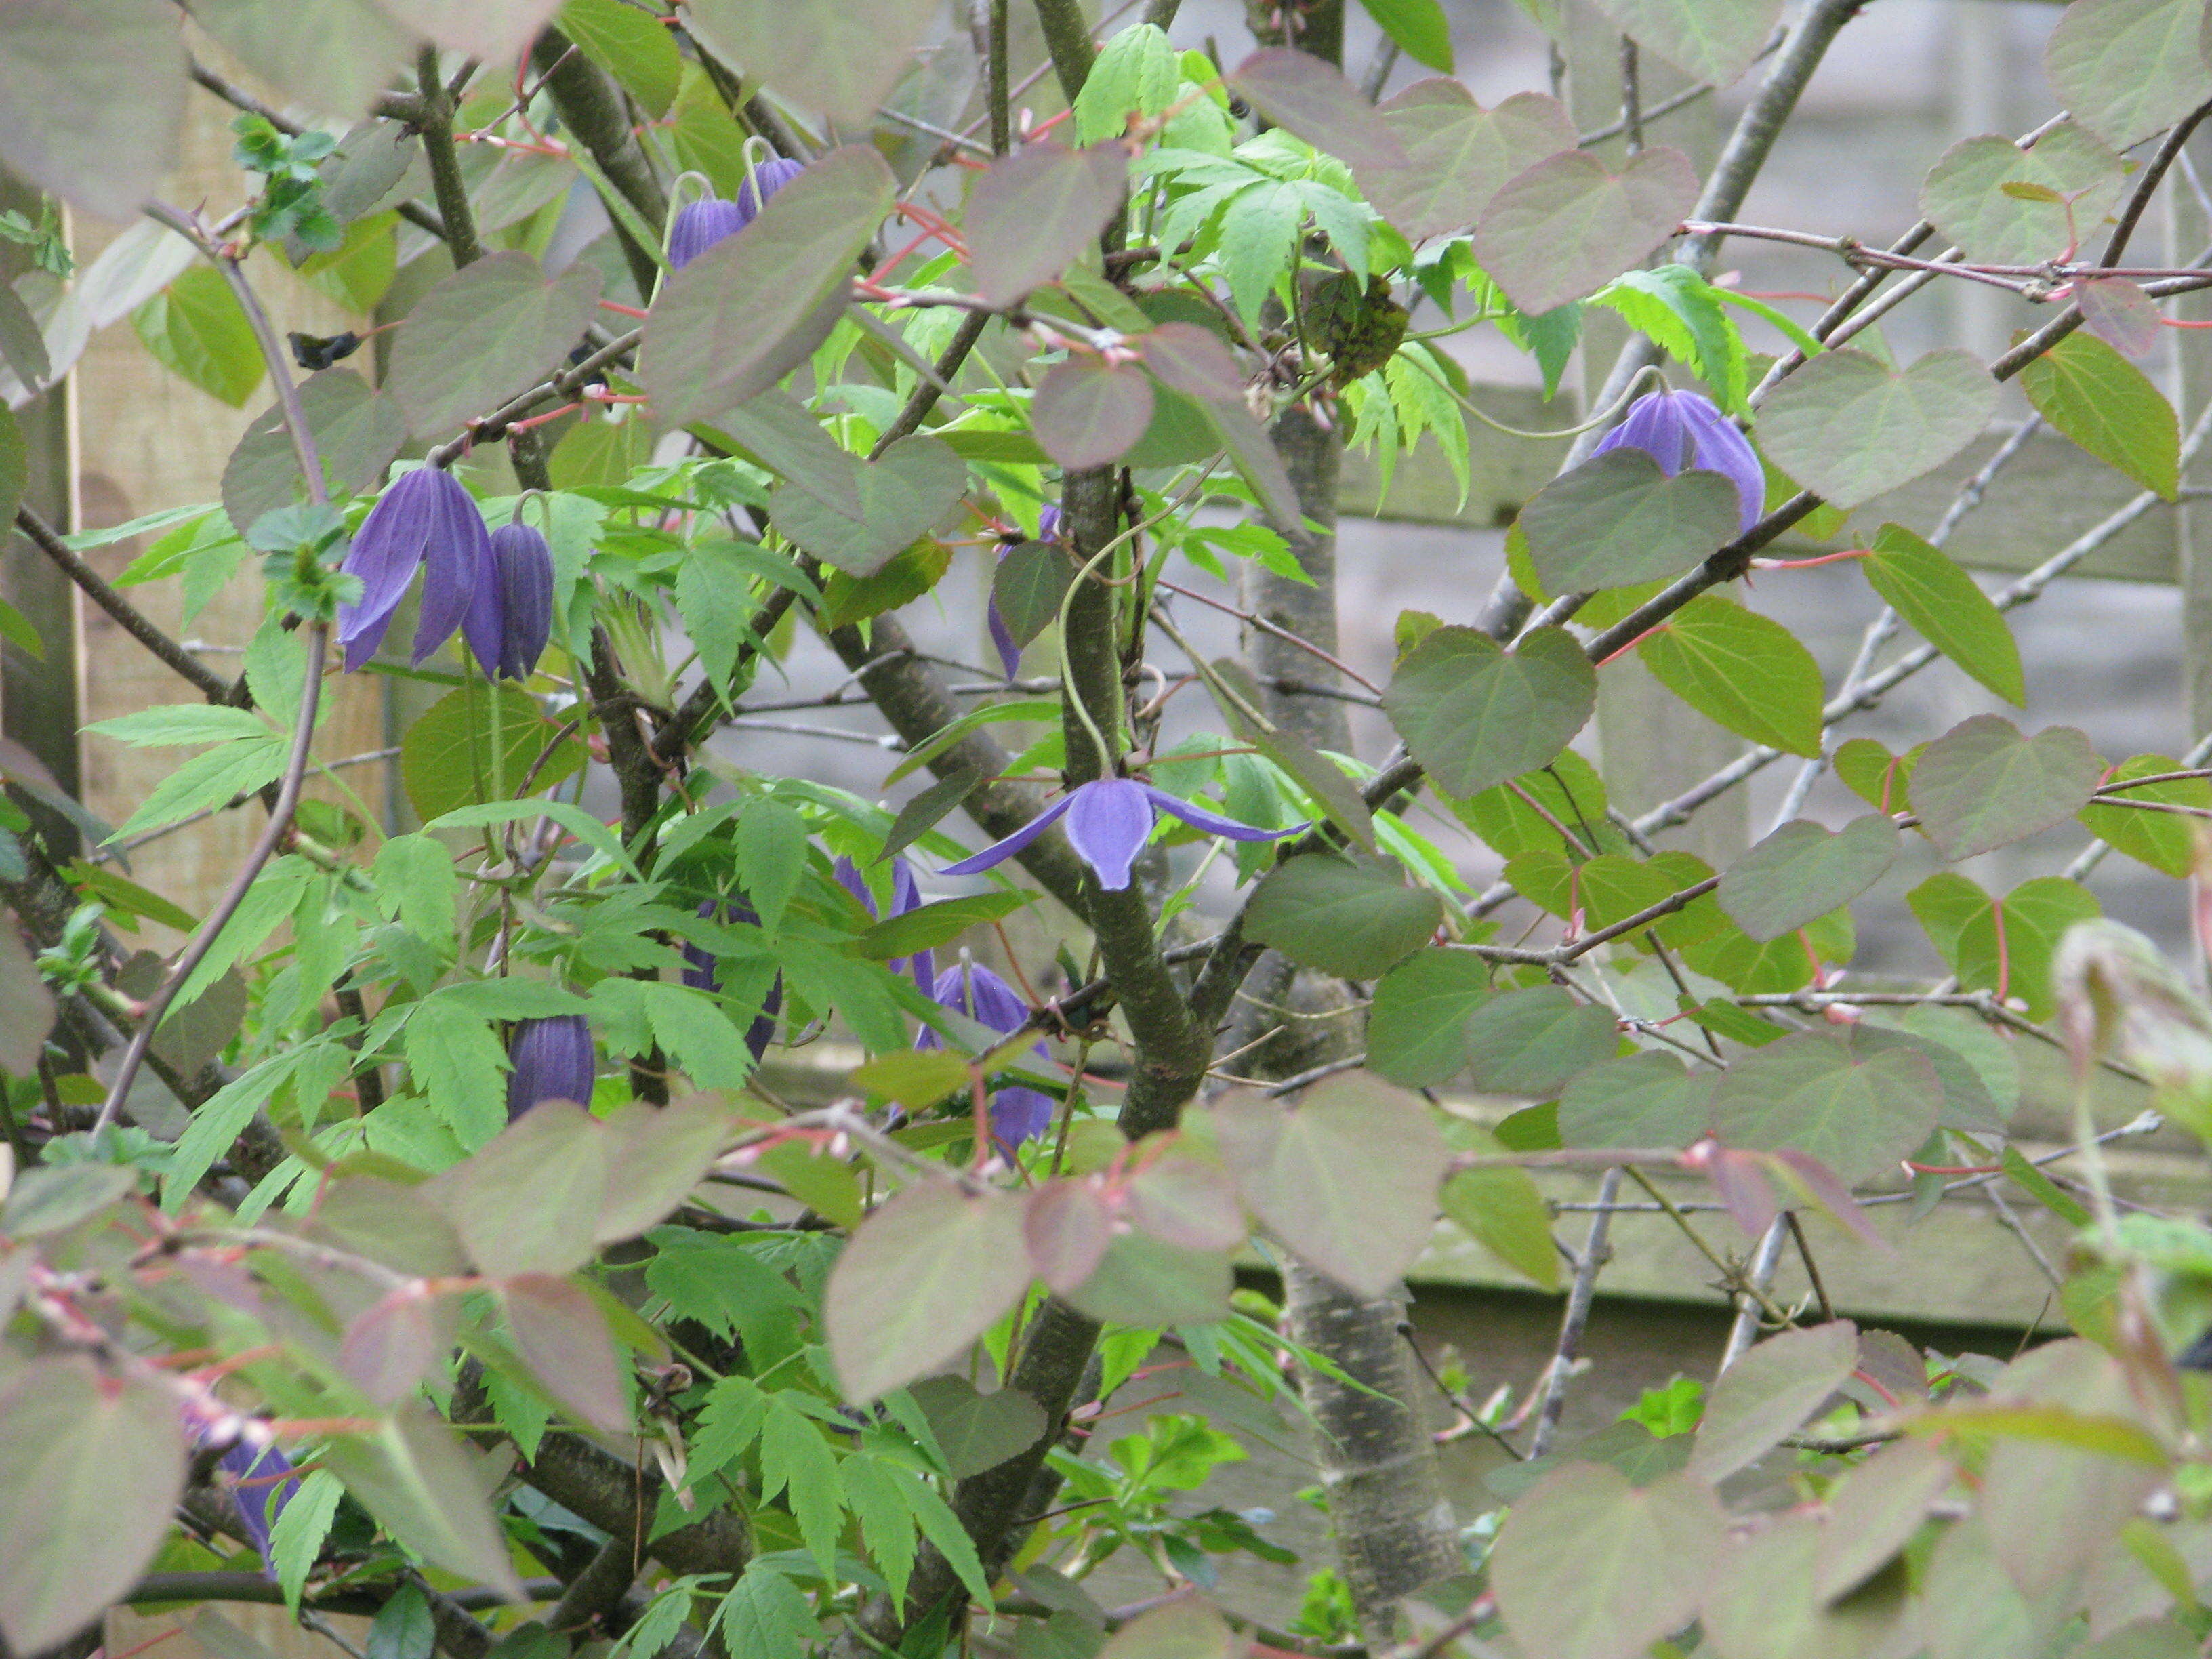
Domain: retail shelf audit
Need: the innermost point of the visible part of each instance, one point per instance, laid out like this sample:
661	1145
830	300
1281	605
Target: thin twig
1595	1252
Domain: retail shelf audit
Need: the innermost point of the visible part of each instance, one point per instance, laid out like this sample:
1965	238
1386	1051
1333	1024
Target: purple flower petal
1213	823
389	546
1048	522
263	1483
700	226
1655	425
1019	1113
703	973
456	559
1716	446
553	1059
1002	638
972	989
525	564
998	851
1108	822
770	176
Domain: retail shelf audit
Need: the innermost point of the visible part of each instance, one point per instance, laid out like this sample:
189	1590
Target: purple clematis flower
426	519
905	895
1002	637
701	973
553	1060
1682	429
1018	1113
263	1484
511	616
1108	822
712	219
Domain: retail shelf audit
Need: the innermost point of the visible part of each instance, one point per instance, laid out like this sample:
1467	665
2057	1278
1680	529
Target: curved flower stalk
1108	822
1680	429
554	1060
712	219
1018	1113
702	973
906	896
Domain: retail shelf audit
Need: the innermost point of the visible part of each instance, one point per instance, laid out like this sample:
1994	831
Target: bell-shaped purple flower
1018	1113
712	219
553	1059
426	519
1682	429
906	896
511	616
700	972
1108	822
261	1482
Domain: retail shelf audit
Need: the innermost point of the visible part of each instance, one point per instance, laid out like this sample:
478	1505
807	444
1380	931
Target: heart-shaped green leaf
977	1431
2104	403
1029	586
1350	917
1848	426
1642	1100
1459	154
1567	226
1413	1027
1965	198
1984	783
903	494
482	334
1531	1041
1741	669
1939	599
1714	40
1803	871
1617	520
1814	1093
1474	714
2126	68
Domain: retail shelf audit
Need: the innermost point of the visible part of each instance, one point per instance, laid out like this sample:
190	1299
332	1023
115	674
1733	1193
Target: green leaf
923	1277
1352	916
1983	784
1740	669
1135	73
1617	520
1967	198
1459	155
1682	313
1419	27
1803	871
458	1065
1614	886
489	331
402	1628
714	595
1029	585
2001	945
938	923
2109	407
477	744
1850	427
1034	212
769	843
413	1476
1771	1391
630	45
92	94
517	1202
1951	612
1347	1179
1649	1099
1814	1093
1712	40
358	432
2164	841
1413	1026
902	496
1568	793
197	330
1303	95
212	779
1568	225
1588	1566
2127	68
916	1078
166	724
796	1461
1238	698
731	323
295	1537
1531	1041
977	1431
1186	1628
90	1469
1877	777
1475	714
826	55
1502	1210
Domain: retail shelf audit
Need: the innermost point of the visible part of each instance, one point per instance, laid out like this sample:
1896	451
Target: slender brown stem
134	621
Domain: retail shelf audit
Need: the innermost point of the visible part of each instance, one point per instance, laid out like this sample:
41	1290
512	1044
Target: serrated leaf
1950	611
1352	916
1740	669
491	330
2109	407
1617	520
1983	784
921	1278
1803	871
1347	1179
1850	427
1475	714
1135	73
1568	225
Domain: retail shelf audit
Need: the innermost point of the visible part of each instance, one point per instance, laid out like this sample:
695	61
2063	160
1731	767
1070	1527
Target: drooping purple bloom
1018	1113
263	1483
1682	429
425	520
712	219
1108	822
1002	637
511	616
553	1059
905	895
700	972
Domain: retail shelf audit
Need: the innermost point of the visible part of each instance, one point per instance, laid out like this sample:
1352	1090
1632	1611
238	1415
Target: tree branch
591	107
135	622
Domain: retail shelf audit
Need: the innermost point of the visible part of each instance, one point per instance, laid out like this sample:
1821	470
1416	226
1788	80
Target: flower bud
1682	429
553	1060
512	617
712	219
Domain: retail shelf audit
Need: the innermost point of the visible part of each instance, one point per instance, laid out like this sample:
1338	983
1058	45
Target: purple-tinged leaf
1850	427
488	331
1088	413
488	30
562	1337
2127	68
1983	784
2118	313
396	1343
826	55
1297	91
1710	41
2005	205
415	1477
1066	1227
1803	871
903	495
1772	1390
1815	1092
1194	361
1568	226
92	94
1458	155
1034	212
